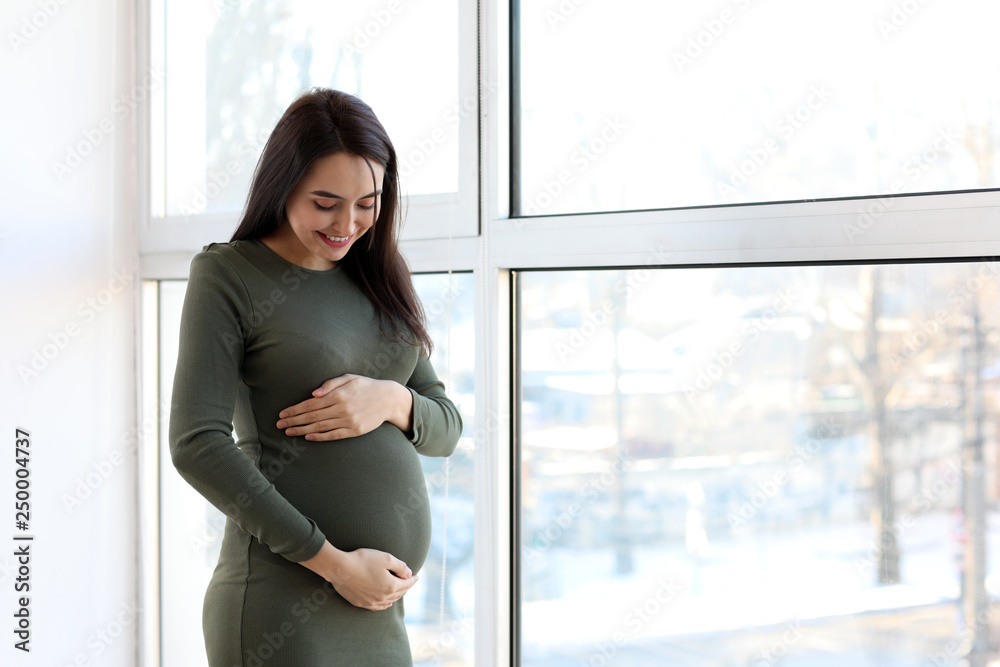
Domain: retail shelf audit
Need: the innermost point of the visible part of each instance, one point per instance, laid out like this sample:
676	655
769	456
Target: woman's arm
437	423
365	577
215	320
348	406
352	405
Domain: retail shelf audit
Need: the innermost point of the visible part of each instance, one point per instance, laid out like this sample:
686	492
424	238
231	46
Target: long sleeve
437	423
216	320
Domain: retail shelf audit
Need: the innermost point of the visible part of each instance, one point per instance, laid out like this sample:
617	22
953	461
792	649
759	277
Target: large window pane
760	466
439	616
636	104
190	528
233	66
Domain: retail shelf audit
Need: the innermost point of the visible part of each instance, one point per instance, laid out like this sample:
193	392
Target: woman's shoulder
227	265
231	251
233	257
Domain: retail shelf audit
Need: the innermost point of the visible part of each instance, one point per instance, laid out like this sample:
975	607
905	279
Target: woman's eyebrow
330	195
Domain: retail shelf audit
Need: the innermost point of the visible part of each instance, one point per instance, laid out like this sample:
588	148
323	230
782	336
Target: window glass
759	465
190	527
440	616
233	66
635	104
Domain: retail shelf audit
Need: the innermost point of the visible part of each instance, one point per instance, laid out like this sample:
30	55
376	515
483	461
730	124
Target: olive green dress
259	334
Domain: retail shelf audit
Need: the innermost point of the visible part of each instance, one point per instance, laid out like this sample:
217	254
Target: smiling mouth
335	241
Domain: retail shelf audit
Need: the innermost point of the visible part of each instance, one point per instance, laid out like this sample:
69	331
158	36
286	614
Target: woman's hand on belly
366	578
348	406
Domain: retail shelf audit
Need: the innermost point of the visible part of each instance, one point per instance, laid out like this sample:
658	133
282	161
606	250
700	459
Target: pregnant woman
305	332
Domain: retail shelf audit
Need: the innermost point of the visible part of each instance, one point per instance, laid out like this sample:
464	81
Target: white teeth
336	239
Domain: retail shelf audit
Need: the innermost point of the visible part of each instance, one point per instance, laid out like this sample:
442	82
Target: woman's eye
333	206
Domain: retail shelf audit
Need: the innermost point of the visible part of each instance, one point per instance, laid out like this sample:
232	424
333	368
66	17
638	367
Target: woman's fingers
321	399
324	429
346	406
324	433
314	412
306	419
366	581
332	384
406	585
322	406
399	568
306	408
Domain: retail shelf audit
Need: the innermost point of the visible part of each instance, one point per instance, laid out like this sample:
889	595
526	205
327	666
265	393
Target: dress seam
243	604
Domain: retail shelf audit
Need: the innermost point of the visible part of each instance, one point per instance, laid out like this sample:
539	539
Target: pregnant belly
367	491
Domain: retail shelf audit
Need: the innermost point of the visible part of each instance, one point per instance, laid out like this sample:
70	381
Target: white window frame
933	226
430	216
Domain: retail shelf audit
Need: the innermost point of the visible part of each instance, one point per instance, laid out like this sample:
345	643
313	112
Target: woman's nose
345	217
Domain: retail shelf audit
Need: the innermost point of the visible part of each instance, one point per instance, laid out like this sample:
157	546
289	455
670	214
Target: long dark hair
319	123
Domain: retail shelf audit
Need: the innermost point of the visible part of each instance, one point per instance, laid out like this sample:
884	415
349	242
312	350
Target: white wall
67	262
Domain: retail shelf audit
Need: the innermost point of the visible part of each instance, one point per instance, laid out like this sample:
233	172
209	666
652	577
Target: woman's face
331	208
